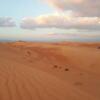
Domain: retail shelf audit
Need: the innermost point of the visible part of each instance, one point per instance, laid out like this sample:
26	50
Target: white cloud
61	21
75	14
81	7
7	22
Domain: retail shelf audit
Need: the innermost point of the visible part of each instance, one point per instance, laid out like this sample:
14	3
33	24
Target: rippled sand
44	71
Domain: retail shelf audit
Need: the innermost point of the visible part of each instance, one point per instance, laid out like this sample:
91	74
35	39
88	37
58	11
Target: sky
50	20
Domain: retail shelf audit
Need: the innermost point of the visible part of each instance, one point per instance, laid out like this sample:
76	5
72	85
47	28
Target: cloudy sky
50	19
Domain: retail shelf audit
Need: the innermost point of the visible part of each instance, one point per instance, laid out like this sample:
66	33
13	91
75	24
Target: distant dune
49	71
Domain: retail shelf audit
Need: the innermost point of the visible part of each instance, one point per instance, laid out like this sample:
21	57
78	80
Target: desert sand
49	71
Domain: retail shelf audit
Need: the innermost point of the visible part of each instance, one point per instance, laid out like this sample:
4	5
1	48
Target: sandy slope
44	71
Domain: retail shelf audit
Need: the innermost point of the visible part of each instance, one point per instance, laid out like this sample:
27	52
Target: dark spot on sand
28	52
55	66
98	47
78	83
81	73
66	69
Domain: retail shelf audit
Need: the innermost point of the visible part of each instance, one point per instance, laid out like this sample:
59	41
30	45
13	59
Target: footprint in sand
60	67
55	66
28	53
98	47
78	83
66	69
81	74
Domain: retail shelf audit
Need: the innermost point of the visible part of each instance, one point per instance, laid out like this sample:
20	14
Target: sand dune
46	71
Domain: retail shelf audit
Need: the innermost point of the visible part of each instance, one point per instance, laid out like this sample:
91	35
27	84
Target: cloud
86	35
74	14
61	21
7	22
81	7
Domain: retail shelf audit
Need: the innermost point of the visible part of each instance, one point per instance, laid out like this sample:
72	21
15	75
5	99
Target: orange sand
47	71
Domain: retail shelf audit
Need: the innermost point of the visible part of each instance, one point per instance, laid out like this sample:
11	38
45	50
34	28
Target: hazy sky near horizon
57	19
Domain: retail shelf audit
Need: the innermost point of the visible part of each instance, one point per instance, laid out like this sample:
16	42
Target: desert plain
49	71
